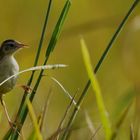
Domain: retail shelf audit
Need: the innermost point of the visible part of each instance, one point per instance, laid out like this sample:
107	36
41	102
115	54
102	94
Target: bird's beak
23	45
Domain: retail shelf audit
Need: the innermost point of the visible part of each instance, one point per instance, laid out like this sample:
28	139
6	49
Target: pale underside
8	67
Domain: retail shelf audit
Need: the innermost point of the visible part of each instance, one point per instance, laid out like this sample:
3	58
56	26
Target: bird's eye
11	45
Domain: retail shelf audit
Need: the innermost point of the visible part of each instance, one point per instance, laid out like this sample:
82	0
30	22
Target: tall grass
27	99
95	85
103	56
23	110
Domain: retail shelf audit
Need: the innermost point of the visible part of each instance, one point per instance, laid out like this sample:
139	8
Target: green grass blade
43	33
7	135
57	30
123	102
36	58
34	119
122	109
95	85
32	136
114	37
38	51
120	122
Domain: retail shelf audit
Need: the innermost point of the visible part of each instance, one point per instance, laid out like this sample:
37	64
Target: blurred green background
96	21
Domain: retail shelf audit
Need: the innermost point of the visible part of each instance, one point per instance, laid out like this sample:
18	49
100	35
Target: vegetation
110	123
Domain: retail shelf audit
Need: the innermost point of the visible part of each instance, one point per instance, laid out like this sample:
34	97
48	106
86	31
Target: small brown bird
8	67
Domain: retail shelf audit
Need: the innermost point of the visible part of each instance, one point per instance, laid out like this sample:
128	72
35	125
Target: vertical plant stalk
35	64
34	120
95	85
109	46
120	122
38	52
51	46
45	110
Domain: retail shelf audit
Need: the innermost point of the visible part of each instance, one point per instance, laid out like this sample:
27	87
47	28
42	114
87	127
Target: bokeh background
96	21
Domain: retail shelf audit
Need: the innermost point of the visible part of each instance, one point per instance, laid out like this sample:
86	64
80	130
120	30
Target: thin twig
65	114
96	131
65	91
45	109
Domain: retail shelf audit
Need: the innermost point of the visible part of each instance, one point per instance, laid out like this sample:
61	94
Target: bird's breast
8	67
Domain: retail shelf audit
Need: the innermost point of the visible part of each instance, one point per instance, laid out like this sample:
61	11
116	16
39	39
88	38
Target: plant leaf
34	120
97	90
58	28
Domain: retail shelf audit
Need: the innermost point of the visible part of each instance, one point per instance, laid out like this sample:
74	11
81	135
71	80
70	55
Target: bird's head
8	47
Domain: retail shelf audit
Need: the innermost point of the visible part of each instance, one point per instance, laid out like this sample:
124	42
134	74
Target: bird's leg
6	112
7	115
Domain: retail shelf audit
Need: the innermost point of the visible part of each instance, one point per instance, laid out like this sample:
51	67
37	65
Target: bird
8	67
